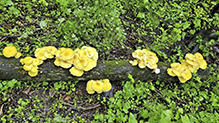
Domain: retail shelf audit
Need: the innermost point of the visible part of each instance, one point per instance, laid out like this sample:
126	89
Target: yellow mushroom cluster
64	57
145	58
11	51
30	64
46	52
84	59
194	62
188	66
98	85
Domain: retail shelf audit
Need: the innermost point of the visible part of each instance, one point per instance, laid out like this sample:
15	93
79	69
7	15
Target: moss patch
111	65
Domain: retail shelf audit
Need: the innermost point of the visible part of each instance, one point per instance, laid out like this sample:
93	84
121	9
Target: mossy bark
113	70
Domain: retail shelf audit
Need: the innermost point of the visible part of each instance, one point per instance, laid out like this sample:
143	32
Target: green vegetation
63	23
115	28
185	103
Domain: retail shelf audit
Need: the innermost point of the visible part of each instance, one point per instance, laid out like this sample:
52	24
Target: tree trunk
10	68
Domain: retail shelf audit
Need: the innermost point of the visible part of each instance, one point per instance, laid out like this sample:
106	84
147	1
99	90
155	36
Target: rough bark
113	70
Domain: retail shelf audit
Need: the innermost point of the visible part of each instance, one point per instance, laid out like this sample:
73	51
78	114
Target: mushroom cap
64	64
81	62
153	66
176	72
75	57
57	61
27	60
151	61
151	54
51	49
186	74
141	63
90	91
9	51
198	56
34	69
191	62
145	50
182	79
59	51
27	67
76	50
90	84
70	61
170	72
191	68
67	54
81	53
32	74
37	62
90	51
76	72
40	53
95	56
184	63
98	86
134	63
17	55
138	54
202	64
22	61
176	65
189	56
91	64
48	55
107	85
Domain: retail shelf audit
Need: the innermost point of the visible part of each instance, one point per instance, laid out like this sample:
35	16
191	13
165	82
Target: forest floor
46	101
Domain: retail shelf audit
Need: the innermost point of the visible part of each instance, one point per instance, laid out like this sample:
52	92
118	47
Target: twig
83	108
206	9
1	109
159	93
3	38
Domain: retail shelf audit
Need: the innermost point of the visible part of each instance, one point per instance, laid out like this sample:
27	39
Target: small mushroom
81	62
64	64
76	72
51	49
185	75
9	51
40	53
107	85
89	87
134	63
91	64
141	64
37	62
32	74
17	55
81	53
98	86
57	61
67	54
138	54
27	60
27	67
189	56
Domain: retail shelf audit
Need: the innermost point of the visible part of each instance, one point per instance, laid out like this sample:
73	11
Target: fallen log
11	68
